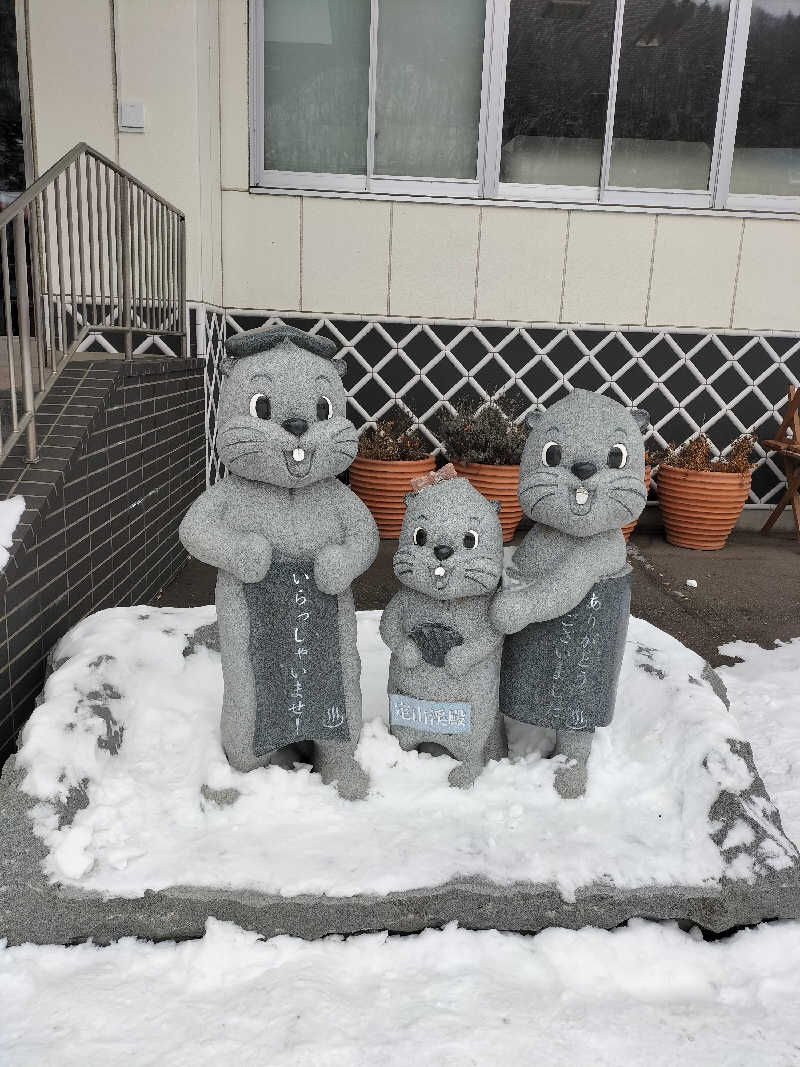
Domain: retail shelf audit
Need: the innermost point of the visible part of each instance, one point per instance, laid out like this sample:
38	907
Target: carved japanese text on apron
294	651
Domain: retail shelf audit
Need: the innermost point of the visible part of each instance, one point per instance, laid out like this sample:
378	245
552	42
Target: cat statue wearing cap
287	538
565	598
444	671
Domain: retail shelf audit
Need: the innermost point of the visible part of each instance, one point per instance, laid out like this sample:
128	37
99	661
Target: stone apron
562	674
295	656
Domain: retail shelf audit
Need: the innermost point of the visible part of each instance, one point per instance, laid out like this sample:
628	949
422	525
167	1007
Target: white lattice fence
723	383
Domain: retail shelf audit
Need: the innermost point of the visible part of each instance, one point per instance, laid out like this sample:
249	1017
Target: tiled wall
528	264
122	457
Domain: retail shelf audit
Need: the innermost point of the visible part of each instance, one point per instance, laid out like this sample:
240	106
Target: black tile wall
122	456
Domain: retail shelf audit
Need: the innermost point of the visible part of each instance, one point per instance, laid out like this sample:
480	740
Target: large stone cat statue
444	671
565	599
287	538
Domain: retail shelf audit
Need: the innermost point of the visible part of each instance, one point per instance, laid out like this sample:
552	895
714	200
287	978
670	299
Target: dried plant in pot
390	454
485	445
701	496
628	528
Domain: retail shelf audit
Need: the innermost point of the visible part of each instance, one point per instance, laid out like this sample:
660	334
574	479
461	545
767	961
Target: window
691	103
766	157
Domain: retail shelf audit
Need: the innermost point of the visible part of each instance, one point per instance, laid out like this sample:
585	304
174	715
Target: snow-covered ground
150	823
10	513
643	996
647	994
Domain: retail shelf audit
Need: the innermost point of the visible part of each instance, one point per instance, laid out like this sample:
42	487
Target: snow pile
10	513
642	996
765	697
159	811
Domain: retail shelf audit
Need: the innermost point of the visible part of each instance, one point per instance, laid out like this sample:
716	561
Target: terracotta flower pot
382	484
628	529
700	508
497	482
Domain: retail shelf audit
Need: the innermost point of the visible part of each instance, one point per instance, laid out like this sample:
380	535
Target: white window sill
771	210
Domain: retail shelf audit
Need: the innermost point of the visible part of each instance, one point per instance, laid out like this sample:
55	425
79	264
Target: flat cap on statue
253	342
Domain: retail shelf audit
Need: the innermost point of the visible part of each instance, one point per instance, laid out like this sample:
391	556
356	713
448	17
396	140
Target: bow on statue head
434	477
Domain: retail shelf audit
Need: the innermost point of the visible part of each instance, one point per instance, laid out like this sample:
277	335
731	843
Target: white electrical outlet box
131	116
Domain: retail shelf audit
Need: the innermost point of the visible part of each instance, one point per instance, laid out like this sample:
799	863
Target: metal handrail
94	251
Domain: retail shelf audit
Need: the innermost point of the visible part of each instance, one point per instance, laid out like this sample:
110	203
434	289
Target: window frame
486	186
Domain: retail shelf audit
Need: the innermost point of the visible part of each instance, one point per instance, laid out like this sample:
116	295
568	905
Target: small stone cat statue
565	599
287	538
444	670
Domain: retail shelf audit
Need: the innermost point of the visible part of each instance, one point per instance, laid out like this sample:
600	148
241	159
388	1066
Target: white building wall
72	77
187	61
167	57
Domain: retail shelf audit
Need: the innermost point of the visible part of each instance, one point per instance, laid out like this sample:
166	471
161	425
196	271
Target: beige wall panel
261	251
233	40
345	256
171	72
210	223
768	288
694	271
521	264
608	267
72	77
434	250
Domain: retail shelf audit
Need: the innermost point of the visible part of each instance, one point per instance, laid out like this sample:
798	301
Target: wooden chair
788	448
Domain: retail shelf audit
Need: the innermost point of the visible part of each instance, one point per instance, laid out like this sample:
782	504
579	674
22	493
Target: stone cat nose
443	551
583	470
297	426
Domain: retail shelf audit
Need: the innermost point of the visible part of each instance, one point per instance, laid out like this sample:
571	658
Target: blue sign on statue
433	716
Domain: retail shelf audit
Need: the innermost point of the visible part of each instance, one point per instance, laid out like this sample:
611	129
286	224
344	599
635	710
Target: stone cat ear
226	366
641	418
340	366
408	498
532	418
498	507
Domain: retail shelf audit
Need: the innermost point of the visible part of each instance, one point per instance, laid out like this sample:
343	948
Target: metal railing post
125	227
24	326
182	283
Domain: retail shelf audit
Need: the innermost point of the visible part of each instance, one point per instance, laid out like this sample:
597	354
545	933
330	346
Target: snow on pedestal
122	816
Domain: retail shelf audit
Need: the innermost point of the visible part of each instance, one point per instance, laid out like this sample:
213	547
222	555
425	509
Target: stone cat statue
565	599
287	539
444	670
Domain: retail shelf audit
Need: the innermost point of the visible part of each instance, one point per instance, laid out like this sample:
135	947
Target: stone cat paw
332	570
408	654
458	660
506	615
252	558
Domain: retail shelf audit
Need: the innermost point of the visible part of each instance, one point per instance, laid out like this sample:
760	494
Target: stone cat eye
260	407
324	409
470	539
420	536
551	454
618	456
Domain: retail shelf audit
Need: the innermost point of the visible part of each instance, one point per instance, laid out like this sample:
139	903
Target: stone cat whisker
537	485
480	584
625	489
235	444
622	503
545	496
241	455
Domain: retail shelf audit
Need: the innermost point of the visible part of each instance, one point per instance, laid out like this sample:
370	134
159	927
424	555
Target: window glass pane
667	93
316	81
428	93
559	57
766	158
